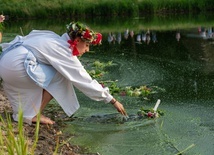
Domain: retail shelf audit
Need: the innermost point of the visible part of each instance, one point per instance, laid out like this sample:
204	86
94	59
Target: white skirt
22	91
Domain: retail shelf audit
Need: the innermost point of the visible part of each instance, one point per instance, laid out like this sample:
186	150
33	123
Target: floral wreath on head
77	29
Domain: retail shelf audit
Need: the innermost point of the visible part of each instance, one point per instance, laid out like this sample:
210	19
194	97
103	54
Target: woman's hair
77	29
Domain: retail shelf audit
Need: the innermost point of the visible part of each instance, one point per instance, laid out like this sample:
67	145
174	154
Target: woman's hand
120	108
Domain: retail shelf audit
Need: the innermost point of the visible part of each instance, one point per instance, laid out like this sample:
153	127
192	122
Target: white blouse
50	63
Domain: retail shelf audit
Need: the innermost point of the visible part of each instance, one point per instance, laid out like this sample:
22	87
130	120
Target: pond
175	54
181	62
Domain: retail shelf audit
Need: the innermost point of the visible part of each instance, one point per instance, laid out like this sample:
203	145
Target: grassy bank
95	8
13	140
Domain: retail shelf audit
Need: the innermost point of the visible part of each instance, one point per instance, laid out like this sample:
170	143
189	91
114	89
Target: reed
13	140
176	6
94	8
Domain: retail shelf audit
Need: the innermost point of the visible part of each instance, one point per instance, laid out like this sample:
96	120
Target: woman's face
82	46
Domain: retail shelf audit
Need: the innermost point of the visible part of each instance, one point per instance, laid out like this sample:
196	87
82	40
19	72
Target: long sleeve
55	51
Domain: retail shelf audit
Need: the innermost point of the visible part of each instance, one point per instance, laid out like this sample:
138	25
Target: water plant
143	91
96	70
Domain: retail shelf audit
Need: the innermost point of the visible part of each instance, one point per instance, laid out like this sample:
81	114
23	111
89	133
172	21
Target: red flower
72	46
150	114
98	39
87	35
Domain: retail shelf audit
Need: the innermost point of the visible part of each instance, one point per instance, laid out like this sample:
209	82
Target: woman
43	65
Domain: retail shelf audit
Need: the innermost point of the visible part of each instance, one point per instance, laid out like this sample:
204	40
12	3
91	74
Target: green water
187	120
184	69
182	126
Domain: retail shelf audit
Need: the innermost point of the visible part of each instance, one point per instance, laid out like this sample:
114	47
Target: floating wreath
141	91
97	71
151	113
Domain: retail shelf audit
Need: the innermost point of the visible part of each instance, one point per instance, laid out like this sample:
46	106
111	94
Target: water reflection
205	33
178	36
145	36
184	54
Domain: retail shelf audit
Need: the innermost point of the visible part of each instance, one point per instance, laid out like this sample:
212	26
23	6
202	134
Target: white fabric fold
43	60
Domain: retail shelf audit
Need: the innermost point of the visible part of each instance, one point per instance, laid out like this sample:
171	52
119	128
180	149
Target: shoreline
49	135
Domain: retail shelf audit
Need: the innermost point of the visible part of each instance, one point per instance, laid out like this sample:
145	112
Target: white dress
43	60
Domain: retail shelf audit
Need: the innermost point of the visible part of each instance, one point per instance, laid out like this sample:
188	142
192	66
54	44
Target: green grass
99	8
12	138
